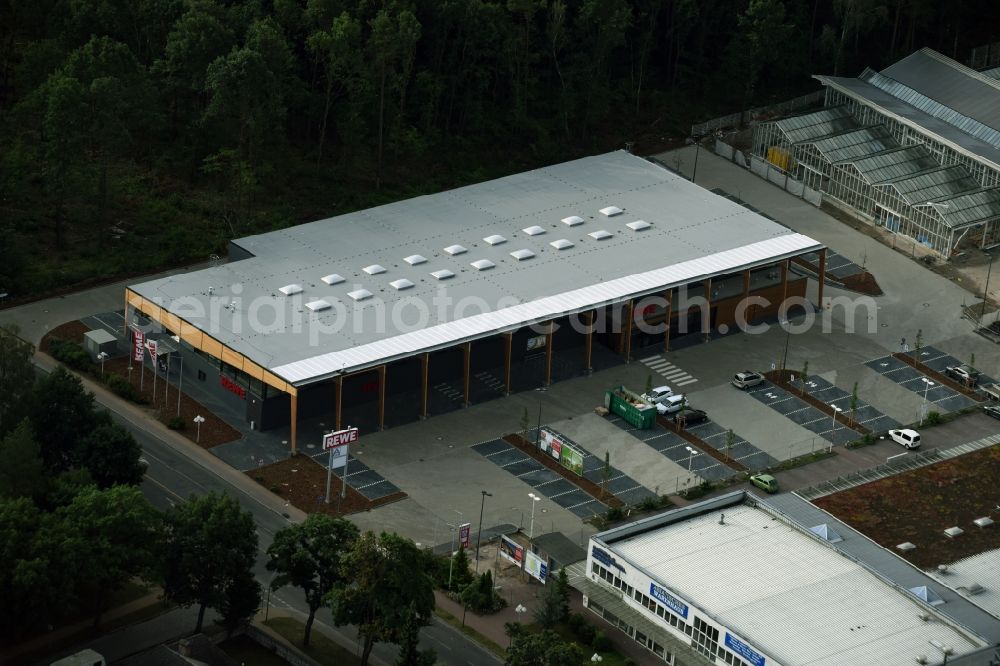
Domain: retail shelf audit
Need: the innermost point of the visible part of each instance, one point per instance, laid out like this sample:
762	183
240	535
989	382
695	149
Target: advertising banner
464	534
536	567
536	343
511	551
151	346
138	344
551	444
745	652
572	459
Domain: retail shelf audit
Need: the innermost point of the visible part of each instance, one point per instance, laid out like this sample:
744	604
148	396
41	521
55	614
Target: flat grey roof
692	234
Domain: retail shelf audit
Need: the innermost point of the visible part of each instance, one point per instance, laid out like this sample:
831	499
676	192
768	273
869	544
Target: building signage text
232	386
605	558
668	600
744	651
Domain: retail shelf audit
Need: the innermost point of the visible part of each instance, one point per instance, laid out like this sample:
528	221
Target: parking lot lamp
534	500
199	419
691	454
923	408
102	357
479	538
833	422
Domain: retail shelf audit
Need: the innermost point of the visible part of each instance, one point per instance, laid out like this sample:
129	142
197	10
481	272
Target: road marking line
687	381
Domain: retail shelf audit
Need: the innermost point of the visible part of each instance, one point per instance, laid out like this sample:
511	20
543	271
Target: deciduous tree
310	555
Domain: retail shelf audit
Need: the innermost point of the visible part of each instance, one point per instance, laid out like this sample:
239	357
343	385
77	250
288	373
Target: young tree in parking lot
918	342
388	594
805	373
649	384
210	545
525	421
730	443
606	472
854	404
310	556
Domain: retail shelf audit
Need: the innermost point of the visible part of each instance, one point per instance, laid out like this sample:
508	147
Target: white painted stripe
676	374
687	381
648	359
659	365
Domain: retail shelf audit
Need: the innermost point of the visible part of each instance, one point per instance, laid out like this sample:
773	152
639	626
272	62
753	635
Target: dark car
992	410
690	417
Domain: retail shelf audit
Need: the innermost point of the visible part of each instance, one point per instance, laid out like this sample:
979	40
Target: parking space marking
943	397
939	361
802	413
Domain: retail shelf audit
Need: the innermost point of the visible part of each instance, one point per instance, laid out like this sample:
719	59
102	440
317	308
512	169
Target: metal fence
752	115
892	466
784	180
985	56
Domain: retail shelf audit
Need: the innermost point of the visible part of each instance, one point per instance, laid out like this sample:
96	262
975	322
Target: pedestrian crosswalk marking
668	370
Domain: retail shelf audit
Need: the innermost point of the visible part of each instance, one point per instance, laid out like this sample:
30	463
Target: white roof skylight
611	211
638	225
601	234
443	274
360	294
455	249
534	230
572	220
374	269
401	284
495	239
521	255
290	289
482	264
332	278
561	244
318	305
415	259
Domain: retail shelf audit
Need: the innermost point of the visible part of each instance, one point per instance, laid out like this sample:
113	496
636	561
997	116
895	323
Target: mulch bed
700	443
214	431
582	482
940	378
918	505
302	482
781	379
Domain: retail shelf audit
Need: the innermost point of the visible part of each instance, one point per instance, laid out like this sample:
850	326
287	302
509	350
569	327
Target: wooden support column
628	331
588	342
746	296
125	323
295	424
669	312
508	340
784	282
822	277
381	396
467	365
548	354
340	401
425	363
707	316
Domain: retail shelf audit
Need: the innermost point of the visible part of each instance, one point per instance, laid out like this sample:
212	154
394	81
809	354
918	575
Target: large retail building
442	301
750	582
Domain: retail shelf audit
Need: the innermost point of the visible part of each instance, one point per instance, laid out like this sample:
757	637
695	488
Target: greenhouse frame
914	149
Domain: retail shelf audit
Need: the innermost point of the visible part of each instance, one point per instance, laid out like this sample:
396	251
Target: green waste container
630	406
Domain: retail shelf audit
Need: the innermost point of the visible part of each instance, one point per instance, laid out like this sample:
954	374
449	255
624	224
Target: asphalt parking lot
939	398
807	416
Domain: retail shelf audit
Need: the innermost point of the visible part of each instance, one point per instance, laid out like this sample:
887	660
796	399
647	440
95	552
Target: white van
907	438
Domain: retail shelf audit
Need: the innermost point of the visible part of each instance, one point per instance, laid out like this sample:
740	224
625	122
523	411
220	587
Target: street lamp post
923	408
199	419
982	310
691	454
535	499
102	357
180	385
833	423
479	538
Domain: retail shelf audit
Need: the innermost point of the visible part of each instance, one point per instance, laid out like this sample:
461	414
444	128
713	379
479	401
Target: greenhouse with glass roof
914	149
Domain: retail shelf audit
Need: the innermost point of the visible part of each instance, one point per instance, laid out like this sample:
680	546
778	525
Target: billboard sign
551	444
138	344
535	343
536	567
464	534
572	459
511	551
338	456
339	438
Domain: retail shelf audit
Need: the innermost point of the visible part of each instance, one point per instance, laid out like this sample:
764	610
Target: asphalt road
172	476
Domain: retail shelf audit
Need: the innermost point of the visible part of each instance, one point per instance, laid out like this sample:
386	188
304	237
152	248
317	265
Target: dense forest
138	134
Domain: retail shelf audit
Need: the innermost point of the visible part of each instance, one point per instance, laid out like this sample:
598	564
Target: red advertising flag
464	534
138	342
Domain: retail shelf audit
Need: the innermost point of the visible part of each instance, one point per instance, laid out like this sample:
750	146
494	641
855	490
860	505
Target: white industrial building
734	580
